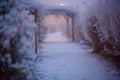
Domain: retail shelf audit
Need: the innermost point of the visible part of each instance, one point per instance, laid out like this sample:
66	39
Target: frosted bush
16	52
102	17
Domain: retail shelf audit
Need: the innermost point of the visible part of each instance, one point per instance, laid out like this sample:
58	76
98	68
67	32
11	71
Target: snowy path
68	61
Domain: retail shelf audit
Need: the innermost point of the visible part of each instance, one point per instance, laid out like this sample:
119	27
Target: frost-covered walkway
61	60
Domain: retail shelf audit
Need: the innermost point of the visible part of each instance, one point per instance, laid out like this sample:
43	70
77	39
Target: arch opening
57	23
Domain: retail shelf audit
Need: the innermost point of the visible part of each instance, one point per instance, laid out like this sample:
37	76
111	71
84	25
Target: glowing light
61	4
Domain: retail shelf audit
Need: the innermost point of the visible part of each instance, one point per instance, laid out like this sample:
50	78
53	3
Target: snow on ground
68	61
55	37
